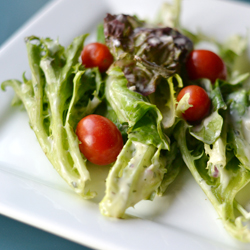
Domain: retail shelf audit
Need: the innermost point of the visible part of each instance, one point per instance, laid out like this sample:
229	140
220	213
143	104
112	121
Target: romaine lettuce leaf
142	117
59	93
135	176
221	190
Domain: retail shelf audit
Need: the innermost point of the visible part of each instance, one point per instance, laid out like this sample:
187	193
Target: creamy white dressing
138	149
217	161
217	155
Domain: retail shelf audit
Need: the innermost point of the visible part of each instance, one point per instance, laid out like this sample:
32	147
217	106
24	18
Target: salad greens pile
138	93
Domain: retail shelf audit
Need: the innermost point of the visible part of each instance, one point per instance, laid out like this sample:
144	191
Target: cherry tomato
200	101
101	141
205	64
96	55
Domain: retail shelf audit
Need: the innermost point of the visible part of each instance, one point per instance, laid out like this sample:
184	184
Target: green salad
148	101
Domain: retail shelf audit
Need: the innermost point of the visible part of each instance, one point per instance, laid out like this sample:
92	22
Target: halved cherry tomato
205	64
97	55
101	141
199	100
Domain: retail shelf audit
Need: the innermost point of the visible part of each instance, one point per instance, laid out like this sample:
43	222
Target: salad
151	103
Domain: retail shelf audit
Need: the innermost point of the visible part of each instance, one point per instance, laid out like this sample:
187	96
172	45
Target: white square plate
32	191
